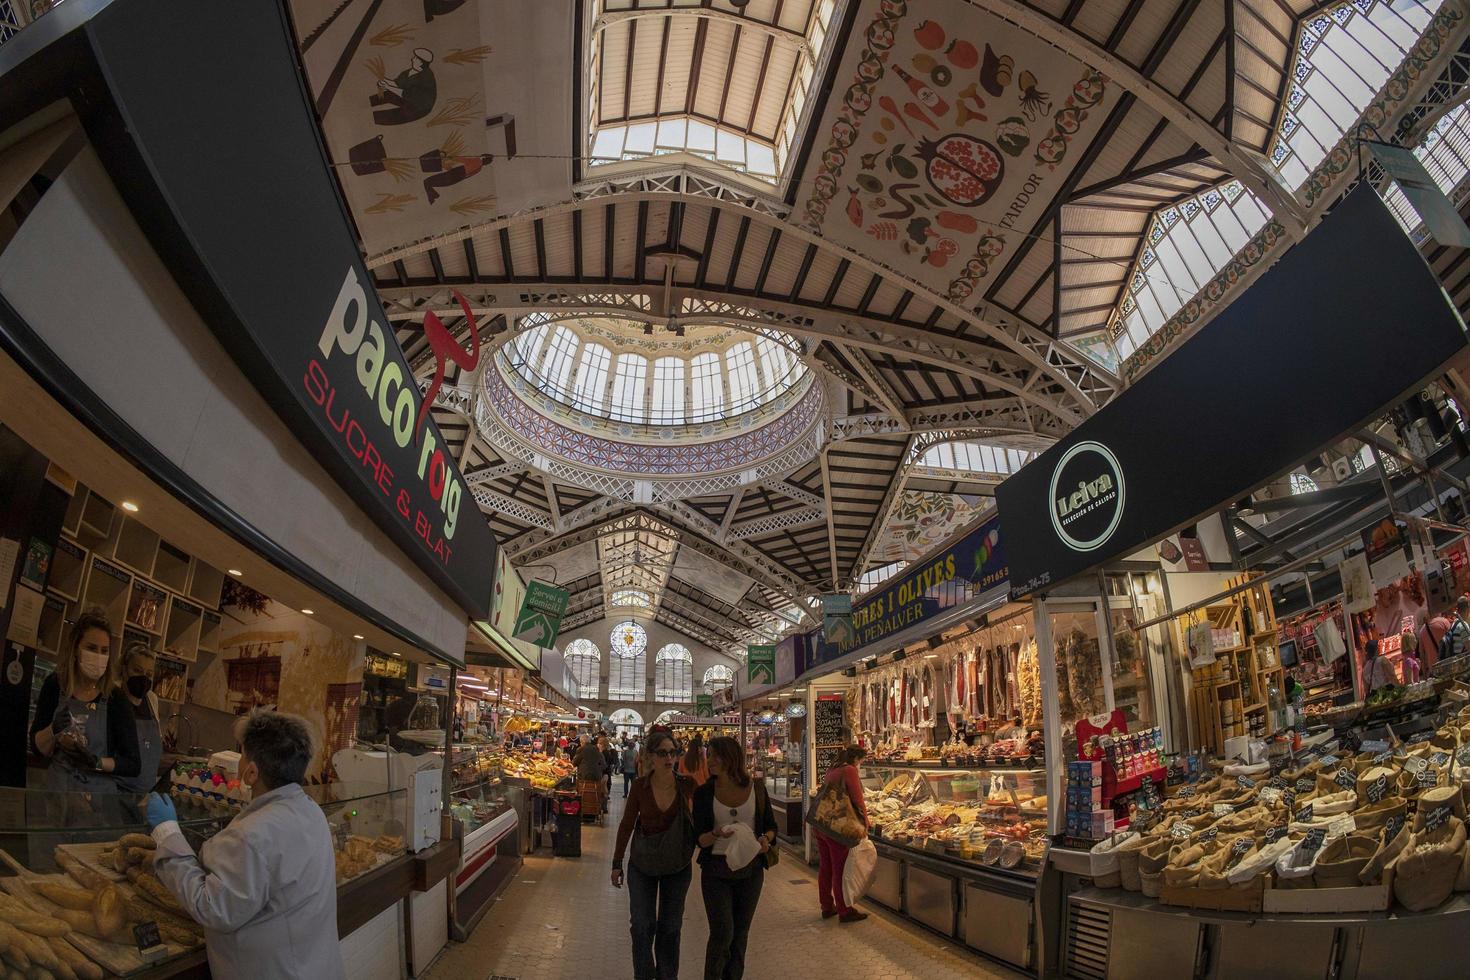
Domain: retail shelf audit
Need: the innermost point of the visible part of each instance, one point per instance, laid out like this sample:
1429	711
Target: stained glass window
1344	55
673	674
717	678
629	396
584	661
627	674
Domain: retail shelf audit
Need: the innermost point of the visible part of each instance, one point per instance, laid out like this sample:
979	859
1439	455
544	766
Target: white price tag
1222	810
1342	825
1270	794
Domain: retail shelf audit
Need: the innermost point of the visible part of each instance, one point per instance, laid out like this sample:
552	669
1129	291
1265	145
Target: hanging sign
541	611
945	579
760	664
1440	217
704	706
837	618
1118	482
284	286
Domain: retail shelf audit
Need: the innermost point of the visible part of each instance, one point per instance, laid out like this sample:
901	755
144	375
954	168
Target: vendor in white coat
265	887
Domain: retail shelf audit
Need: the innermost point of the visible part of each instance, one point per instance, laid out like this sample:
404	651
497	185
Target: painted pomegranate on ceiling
963	169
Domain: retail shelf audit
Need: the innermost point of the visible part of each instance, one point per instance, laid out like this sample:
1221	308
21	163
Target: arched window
627	671
707	395
584	660
717	678
673	674
631	597
629	388
590	392
561	354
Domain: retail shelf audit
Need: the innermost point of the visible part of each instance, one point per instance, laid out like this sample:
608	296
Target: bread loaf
83	968
108	910
64	895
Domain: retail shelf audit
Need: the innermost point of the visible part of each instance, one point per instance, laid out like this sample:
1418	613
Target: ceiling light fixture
930	656
129	506
235	572
309	612
357	636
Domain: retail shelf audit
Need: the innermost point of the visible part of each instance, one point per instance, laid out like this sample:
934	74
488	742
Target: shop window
673	674
584	662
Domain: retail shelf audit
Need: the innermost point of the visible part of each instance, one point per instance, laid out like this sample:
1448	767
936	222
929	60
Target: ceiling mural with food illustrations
422	141
922	520
952	130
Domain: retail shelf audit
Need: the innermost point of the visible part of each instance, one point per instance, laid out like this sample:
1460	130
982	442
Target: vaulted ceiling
912	351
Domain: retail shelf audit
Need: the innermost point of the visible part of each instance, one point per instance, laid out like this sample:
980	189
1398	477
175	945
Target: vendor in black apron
138	664
84	722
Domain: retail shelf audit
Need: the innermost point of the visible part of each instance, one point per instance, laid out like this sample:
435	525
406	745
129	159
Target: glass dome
612	369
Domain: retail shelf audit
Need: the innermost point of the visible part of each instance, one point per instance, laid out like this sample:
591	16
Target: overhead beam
831	528
781	35
886	398
1248	168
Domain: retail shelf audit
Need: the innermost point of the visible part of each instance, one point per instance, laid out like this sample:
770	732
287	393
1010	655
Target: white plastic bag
859	871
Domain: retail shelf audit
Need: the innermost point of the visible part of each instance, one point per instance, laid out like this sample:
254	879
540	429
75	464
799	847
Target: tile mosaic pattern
561	919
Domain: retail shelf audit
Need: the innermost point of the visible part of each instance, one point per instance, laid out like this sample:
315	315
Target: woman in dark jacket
730	895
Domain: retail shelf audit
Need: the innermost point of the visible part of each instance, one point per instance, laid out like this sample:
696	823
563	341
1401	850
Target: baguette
136	840
13	948
26	920
153	890
41	973
108	910
118	858
65	896
39	951
86	924
141	856
175	929
84	875
83	968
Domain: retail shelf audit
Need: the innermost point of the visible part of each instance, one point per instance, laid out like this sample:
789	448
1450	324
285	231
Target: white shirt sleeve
226	896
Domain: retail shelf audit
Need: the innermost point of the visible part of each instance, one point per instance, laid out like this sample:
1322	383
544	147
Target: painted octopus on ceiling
949	140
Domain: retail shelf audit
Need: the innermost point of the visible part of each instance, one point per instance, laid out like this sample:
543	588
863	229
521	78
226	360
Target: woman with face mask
84	723
138	664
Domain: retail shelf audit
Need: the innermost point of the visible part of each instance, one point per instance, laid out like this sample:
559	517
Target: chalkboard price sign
828	722
828	757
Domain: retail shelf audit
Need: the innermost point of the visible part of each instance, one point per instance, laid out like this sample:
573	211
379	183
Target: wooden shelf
181	630
171	568
107	589
147	605
209	629
206	584
68	570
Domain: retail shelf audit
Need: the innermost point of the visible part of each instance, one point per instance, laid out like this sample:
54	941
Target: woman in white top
728	807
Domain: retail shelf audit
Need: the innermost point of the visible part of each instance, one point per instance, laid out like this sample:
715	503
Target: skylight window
740	364
560	355
668	391
629	400
1445	153
631	597
1344	55
642	140
590	394
975	457
1186	245
708	395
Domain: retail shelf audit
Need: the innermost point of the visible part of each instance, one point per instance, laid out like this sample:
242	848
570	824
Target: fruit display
542	771
1330	820
989	817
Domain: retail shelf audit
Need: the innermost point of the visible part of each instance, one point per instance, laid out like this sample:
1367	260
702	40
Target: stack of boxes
1085	814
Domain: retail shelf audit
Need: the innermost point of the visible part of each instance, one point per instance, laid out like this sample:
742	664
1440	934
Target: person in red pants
834	853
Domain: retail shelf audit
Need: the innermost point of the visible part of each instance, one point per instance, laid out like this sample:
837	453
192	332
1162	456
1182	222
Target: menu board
828	721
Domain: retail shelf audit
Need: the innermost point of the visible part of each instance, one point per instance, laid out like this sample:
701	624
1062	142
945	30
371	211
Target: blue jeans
657	911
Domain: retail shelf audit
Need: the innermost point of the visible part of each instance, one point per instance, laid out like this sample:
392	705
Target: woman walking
657	820
736	832
693	764
834	853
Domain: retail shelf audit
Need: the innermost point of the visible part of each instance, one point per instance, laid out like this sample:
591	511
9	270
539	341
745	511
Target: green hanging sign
704	706
539	620
760	664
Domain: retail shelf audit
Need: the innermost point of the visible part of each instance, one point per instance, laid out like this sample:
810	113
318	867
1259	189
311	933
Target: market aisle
561	919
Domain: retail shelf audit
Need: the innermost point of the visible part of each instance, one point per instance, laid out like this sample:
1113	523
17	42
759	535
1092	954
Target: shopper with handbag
657	821
737	836
833	853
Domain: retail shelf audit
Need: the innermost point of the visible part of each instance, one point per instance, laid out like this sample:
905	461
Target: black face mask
139	686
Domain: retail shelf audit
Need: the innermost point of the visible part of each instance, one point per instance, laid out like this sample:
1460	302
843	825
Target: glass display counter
91	841
961	851
490	811
784	787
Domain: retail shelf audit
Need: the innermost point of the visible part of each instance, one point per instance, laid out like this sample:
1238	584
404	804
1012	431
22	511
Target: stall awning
502	653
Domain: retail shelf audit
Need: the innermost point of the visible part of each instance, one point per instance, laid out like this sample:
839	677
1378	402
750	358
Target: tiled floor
561	919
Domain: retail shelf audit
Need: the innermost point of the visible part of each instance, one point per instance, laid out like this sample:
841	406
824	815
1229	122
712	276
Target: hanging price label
1439	759
1416	764
1341	826
1345	778
1180	831
1274	834
1185	792
1392	828
1210	834
1270	794
1381	758
1437	817
1312	842
1373	745
1239	848
1277	782
1462	754
1328	761
1288	799
1304	815
1222	810
1418	737
1305	785
1427	777
1377	789
1245	782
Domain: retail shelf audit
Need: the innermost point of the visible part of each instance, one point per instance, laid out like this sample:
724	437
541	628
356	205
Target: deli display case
961	851
784	788
489	811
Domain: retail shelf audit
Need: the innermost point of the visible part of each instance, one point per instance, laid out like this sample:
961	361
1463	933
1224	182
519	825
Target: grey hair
281	745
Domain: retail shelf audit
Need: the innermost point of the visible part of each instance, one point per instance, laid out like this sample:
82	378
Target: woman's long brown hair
732	759
694	756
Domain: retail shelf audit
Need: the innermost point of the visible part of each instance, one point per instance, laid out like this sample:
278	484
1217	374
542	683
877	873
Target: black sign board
1260	388
828	721
828	758
207	130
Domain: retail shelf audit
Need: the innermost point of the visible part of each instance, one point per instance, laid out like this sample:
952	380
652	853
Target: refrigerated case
490	811
784	788
961	851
